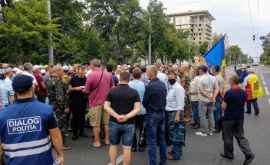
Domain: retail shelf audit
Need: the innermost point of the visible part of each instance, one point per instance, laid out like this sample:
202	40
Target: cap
22	83
43	71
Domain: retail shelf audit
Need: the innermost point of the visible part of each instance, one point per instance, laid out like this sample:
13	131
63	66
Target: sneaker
210	133
201	134
249	159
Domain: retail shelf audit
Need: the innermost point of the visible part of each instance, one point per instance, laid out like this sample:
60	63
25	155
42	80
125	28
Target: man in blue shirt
155	102
6	91
28	129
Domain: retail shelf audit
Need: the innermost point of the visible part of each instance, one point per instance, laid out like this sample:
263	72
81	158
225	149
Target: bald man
155	102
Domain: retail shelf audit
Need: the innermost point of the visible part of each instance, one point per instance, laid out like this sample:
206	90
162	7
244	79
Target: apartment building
199	23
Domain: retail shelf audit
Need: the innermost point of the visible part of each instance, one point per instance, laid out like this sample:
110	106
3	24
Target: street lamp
150	36
150	41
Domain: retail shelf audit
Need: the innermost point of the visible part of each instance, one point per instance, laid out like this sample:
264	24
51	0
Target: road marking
264	83
269	101
262	77
118	160
266	91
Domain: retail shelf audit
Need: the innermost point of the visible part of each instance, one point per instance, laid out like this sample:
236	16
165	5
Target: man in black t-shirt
122	103
233	122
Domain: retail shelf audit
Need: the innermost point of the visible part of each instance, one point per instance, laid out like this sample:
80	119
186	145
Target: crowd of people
134	106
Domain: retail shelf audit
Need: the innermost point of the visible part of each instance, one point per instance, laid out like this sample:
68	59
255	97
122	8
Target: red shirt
40	90
98	92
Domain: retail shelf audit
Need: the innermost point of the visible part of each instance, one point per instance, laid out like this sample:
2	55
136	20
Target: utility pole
150	41
50	49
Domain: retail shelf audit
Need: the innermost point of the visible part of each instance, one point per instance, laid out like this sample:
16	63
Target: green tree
25	31
119	23
216	38
234	55
203	47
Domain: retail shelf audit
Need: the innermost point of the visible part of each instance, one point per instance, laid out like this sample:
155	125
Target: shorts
121	132
97	116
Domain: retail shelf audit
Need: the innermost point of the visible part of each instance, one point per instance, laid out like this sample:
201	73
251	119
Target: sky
236	18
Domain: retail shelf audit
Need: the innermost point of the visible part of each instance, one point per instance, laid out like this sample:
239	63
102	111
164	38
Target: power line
250	17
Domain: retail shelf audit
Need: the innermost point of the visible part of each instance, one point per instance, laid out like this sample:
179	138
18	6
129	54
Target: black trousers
139	139
255	106
78	119
235	129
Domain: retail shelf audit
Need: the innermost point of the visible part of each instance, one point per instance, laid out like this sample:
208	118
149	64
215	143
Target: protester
138	85
215	70
77	102
252	87
208	90
160	75
122	122
194	98
30	141
155	101
174	110
57	94
98	85
41	89
144	78
28	70
185	82
233	121
114	77
6	91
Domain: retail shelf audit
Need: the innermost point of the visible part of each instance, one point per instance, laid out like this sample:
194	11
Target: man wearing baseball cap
29	128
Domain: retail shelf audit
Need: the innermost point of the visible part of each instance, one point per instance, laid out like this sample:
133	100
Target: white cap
43	71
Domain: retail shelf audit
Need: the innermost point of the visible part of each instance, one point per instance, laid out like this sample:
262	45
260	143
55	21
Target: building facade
199	23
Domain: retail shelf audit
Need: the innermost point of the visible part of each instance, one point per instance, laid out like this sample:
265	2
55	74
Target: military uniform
57	93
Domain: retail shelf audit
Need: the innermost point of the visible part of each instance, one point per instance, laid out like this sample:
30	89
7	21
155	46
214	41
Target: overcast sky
232	18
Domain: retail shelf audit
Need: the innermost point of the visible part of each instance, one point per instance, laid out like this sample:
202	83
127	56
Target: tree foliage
25	31
234	56
116	31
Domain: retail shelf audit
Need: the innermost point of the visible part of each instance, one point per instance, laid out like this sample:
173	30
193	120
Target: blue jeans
217	112
195	112
170	125
155	134
121	132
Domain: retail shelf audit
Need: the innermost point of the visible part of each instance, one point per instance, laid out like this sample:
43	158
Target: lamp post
50	49
150	41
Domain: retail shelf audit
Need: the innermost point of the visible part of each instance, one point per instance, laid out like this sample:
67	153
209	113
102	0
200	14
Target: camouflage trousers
61	122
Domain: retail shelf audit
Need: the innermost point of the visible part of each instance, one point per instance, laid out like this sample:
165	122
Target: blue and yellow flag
216	54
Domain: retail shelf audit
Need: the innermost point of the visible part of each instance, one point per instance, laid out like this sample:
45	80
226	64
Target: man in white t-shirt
28	71
208	90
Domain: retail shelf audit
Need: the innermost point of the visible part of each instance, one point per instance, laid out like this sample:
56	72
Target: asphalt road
198	150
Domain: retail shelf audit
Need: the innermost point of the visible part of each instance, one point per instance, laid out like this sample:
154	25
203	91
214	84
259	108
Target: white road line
269	101
119	160
262	77
266	91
